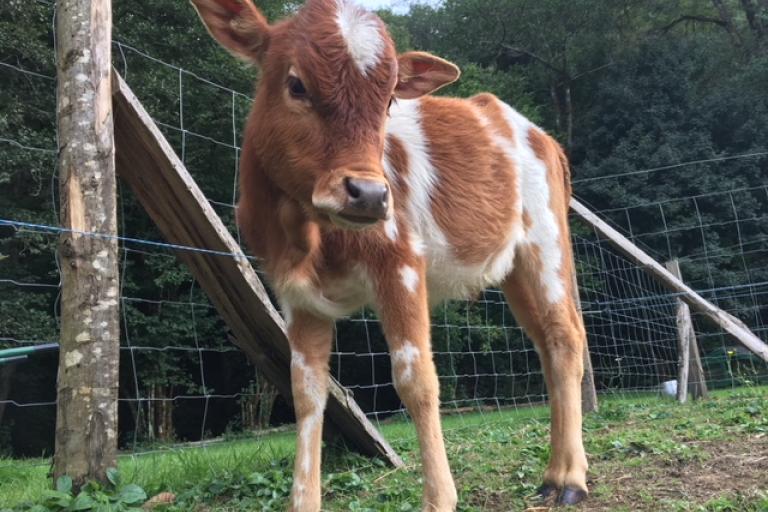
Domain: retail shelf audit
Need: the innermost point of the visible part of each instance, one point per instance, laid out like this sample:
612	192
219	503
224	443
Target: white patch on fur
503	261
417	245
403	360
421	180
389	170
390	228
447	277
298	494
409	278
535	193
314	390
361	31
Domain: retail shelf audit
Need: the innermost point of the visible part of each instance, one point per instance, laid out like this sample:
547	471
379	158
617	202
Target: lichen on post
86	420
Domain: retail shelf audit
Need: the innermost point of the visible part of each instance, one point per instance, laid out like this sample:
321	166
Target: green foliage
93	497
268	488
497	458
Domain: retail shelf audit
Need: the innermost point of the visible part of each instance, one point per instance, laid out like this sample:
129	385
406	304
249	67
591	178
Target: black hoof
572	496
547	491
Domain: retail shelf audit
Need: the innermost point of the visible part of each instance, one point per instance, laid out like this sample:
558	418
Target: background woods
631	88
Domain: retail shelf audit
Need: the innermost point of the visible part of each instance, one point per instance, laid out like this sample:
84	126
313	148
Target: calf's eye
296	88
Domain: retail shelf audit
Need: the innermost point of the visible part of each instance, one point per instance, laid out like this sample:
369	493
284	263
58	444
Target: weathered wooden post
690	372
86	419
588	392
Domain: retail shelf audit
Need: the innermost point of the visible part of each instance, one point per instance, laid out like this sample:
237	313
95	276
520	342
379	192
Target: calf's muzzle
367	200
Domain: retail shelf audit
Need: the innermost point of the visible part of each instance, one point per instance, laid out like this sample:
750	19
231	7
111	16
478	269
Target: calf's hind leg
558	335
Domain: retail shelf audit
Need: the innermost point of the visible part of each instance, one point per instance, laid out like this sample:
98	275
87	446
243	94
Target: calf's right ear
237	25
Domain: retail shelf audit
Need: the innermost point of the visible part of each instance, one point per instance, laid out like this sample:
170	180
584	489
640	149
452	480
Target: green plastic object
11	355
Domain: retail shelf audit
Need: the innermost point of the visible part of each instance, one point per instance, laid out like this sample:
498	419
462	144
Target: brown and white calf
358	188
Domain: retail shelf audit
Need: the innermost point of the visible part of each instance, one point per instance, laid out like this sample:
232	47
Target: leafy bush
95	497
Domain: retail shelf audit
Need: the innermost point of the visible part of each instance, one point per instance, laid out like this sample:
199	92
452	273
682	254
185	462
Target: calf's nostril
352	189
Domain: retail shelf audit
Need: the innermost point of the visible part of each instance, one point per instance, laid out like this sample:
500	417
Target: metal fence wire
183	380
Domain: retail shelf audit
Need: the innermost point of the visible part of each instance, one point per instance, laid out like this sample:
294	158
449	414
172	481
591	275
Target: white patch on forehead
362	33
409	278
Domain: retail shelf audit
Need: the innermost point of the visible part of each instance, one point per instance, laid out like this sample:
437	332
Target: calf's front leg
310	340
402	304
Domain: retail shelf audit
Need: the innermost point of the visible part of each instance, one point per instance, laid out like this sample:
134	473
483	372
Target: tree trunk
86	419
755	23
727	17
558	108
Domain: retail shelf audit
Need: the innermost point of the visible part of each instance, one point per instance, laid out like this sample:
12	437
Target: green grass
636	445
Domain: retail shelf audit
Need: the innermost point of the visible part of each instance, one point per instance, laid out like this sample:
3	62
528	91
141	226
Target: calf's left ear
421	73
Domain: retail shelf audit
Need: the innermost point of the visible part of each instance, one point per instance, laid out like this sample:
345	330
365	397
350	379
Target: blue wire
43	228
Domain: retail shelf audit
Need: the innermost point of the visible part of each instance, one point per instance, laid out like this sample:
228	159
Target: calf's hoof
546	491
571	496
566	496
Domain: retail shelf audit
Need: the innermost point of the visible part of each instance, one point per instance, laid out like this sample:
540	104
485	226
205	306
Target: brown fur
478	198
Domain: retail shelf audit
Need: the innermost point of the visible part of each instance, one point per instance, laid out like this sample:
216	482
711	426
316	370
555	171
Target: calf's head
328	76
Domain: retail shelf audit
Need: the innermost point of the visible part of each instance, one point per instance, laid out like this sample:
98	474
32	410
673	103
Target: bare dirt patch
732	467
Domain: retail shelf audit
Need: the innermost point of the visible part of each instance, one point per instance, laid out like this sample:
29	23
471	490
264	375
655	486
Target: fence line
483	357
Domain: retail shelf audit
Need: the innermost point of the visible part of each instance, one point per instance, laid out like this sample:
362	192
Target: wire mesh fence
183	380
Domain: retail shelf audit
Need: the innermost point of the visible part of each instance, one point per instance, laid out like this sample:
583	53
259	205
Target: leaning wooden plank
729	323
176	204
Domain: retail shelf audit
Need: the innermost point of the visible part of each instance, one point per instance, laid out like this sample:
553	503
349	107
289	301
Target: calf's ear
237	25
421	73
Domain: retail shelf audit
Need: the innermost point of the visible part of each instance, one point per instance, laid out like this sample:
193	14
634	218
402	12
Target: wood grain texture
89	355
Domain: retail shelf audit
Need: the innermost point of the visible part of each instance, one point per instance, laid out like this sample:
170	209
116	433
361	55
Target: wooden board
726	321
176	204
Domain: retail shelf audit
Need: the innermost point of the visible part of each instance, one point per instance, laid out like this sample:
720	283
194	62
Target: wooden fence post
86	418
729	323
690	371
588	392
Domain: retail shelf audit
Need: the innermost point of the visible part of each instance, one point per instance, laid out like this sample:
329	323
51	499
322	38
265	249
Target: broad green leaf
113	476
82	502
132	494
64	484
